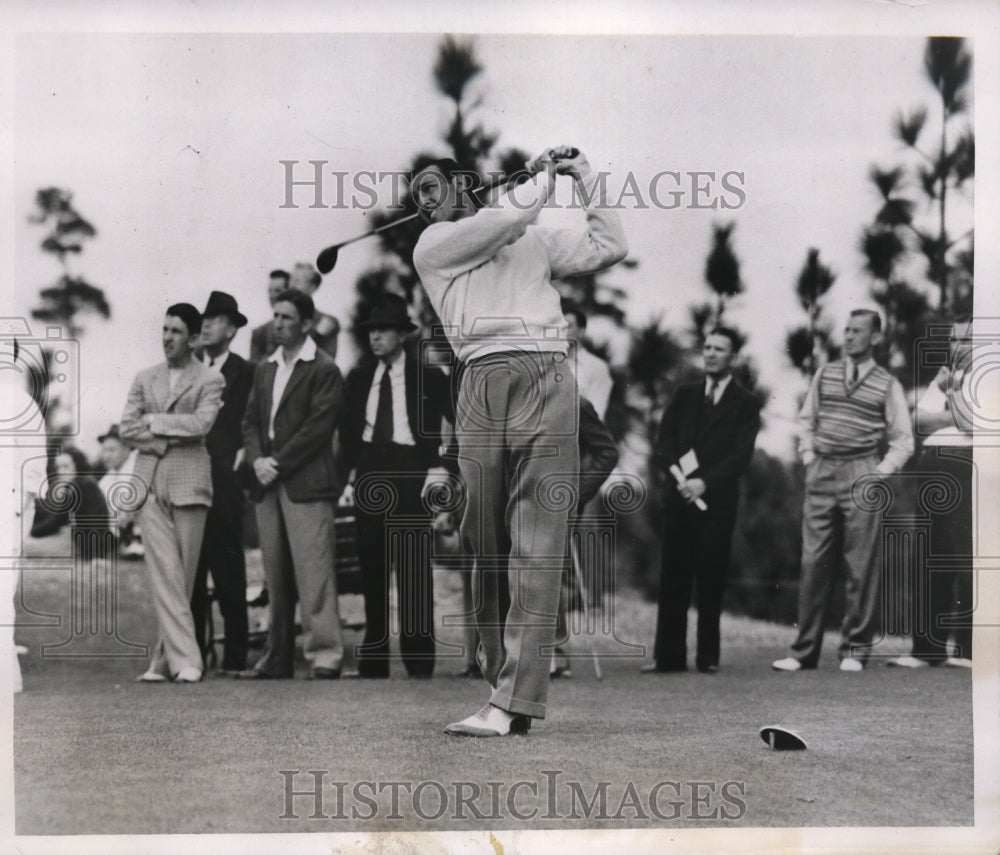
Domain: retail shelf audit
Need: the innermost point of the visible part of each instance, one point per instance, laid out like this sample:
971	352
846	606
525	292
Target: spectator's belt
847	455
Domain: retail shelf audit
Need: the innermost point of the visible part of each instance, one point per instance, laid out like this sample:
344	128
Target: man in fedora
222	547
391	433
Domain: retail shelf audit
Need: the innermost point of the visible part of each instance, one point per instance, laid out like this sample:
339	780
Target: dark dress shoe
372	674
660	669
254	674
229	672
324	674
708	669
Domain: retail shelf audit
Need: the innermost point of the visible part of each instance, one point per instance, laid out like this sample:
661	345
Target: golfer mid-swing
488	275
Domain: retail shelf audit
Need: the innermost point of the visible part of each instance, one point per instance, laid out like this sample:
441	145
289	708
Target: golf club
327	259
575	555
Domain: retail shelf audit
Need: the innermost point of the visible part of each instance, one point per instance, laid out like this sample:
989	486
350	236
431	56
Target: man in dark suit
392	434
325	329
705	443
222	546
294	408
262	342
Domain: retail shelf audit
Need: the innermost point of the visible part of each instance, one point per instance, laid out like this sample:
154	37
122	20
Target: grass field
97	753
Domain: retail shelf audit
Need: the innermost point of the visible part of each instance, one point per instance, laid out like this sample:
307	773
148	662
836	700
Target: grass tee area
97	753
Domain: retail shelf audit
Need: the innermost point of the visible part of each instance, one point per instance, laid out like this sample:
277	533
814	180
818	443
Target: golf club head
327	259
781	738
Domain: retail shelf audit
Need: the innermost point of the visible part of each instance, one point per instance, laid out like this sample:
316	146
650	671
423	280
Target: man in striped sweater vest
852	410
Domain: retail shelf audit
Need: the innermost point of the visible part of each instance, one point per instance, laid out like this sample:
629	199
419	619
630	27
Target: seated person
72	492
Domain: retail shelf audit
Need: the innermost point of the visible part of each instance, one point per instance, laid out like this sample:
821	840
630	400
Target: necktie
710	394
382	429
854	373
211	362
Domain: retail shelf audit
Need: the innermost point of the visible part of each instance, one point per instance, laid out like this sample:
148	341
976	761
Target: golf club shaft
330	253
575	557
380	229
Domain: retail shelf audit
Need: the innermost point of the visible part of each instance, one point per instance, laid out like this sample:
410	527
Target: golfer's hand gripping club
559	158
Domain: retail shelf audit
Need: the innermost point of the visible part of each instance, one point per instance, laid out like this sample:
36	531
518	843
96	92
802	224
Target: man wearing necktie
707	433
222	546
852	409
391	436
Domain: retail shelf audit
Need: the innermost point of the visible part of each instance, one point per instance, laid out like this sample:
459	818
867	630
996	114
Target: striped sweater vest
850	420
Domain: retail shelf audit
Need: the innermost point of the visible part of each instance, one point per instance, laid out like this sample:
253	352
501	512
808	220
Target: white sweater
489	276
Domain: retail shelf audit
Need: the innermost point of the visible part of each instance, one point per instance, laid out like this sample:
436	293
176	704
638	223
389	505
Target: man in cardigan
488	274
294	408
852	408
708	432
391	434
222	547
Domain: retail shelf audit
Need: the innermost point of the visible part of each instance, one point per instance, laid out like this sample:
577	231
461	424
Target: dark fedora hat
389	311
221	303
111	434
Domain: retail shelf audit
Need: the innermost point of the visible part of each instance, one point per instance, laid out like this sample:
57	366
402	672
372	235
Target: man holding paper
705	443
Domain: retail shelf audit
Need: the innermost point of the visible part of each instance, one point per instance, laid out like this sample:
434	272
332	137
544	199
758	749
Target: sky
172	145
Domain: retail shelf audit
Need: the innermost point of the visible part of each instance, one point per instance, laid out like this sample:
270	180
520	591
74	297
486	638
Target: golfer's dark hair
446	165
734	337
876	318
280	274
467	181
301	300
571	308
187	313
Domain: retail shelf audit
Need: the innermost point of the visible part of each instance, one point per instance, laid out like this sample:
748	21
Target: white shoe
851	664
789	663
957	662
490	721
906	662
151	677
188	674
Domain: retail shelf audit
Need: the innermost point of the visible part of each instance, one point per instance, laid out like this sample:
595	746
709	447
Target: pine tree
913	218
455	73
809	347
722	269
70	296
